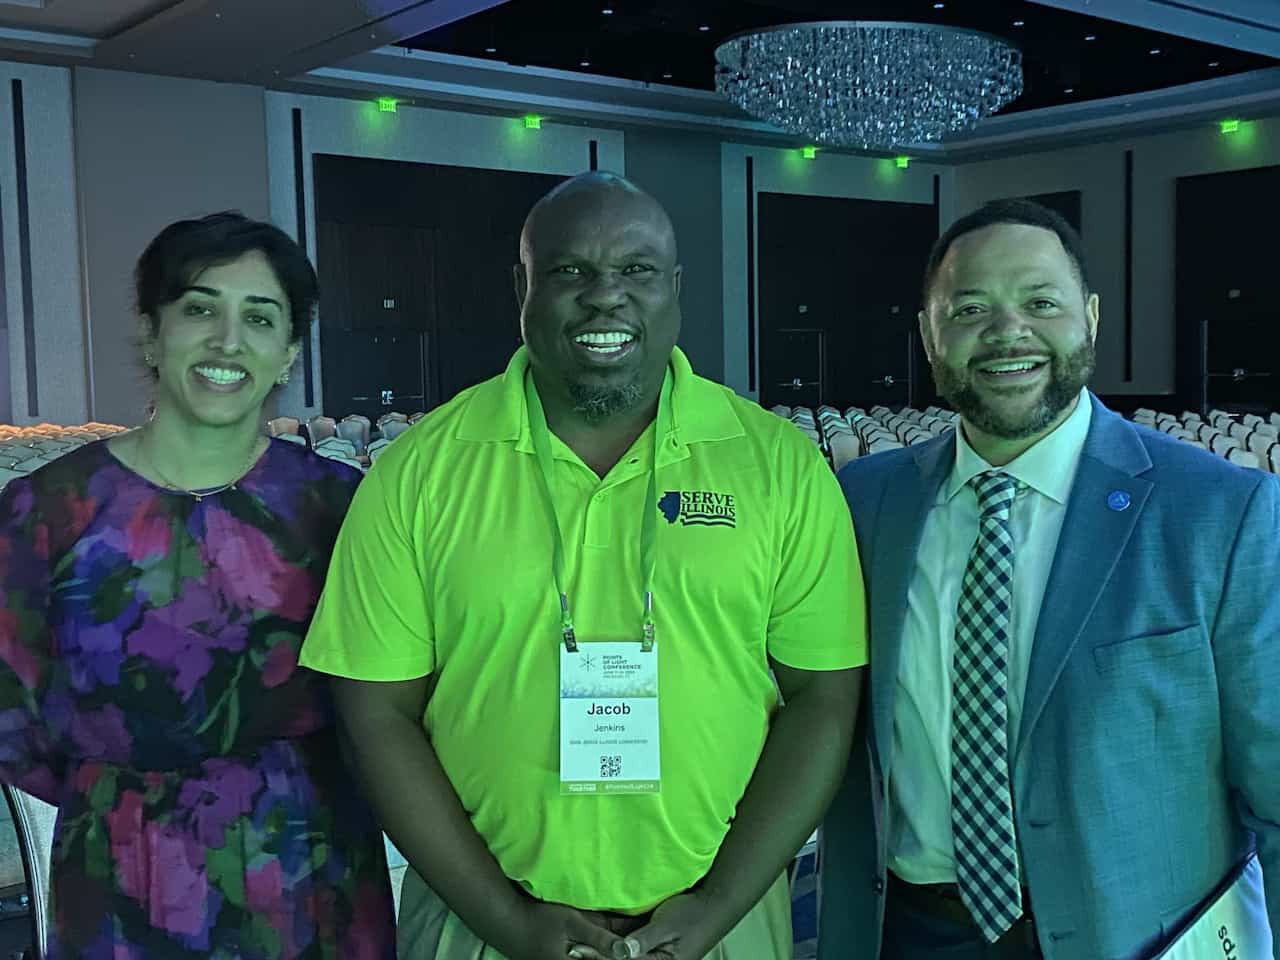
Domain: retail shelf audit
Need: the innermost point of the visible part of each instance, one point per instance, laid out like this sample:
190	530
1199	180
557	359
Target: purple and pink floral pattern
150	688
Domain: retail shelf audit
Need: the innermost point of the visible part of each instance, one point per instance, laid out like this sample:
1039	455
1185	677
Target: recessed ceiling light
1069	90
584	63
607	11
1214	63
938	6
1091	37
704	27
1155	51
490	49
666	76
1019	23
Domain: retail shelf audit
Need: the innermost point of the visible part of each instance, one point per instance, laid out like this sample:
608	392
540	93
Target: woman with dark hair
156	588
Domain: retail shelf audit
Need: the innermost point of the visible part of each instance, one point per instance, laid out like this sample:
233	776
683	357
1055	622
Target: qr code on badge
610	767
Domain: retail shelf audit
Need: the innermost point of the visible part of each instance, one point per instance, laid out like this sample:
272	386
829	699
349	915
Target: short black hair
183	249
1025	212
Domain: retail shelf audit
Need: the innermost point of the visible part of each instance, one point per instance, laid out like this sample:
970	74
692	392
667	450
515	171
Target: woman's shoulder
64	496
71	470
304	465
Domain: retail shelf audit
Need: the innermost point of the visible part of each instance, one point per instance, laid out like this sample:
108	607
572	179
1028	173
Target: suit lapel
1094	534
909	494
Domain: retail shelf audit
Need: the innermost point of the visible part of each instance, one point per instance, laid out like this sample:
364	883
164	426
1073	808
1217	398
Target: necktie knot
995	492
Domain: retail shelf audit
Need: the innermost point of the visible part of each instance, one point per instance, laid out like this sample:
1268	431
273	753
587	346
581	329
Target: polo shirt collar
700	410
1049	467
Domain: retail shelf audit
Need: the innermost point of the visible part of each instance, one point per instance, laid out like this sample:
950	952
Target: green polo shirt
444	567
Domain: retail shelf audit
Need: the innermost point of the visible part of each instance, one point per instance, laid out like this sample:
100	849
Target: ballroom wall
151	150
683	171
355	128
1098	171
113	156
46	360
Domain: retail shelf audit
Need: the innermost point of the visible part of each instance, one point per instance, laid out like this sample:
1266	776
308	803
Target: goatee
596	403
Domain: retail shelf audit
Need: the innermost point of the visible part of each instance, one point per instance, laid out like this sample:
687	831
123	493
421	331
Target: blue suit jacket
1148	760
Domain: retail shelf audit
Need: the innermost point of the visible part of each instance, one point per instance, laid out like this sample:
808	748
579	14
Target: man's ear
1093	313
926	333
521	279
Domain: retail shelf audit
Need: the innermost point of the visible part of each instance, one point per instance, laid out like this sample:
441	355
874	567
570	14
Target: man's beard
1067	377
598	403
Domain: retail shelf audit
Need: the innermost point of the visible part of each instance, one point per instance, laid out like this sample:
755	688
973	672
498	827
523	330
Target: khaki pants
428	930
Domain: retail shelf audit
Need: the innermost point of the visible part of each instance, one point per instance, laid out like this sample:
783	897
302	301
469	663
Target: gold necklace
201	494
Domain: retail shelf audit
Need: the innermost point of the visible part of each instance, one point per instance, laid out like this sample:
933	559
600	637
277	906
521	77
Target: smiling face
1010	330
220	347
599	290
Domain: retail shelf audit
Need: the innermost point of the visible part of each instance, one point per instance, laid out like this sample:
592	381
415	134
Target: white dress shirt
920	846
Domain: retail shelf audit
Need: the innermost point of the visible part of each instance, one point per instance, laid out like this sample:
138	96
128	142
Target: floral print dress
149	687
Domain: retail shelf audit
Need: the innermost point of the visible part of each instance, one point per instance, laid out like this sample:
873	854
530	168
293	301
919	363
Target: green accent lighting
1229	126
902	162
387	104
809	153
532	122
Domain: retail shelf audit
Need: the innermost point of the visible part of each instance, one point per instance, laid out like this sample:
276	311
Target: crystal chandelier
869	84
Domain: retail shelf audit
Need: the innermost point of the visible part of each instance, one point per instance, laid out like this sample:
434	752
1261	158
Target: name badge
609	719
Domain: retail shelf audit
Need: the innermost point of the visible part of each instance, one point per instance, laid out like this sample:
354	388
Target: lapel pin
1118	500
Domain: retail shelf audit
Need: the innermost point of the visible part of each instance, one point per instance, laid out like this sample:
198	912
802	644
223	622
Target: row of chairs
857	432
1249	440
354	440
24	450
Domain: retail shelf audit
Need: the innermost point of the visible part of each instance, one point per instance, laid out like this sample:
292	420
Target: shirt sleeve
28	759
818	621
373	621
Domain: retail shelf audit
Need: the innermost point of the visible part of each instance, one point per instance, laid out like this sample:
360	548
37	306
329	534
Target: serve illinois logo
699	508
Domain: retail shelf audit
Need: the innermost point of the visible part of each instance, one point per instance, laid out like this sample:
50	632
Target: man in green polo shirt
556	613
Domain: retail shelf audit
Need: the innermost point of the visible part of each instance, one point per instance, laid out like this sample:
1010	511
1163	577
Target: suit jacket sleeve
1246	640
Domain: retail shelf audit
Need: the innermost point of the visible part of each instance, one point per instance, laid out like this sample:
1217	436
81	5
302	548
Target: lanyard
541	436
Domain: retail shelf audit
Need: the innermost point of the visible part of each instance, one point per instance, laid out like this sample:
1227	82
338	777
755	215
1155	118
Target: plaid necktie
981	799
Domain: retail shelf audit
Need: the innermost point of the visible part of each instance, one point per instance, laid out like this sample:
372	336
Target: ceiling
1217	58
238	41
85	18
1069	57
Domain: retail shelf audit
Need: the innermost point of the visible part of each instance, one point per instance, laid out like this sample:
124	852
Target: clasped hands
685	927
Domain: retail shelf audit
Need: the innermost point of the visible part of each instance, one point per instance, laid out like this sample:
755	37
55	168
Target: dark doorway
839	294
1228	338
417	299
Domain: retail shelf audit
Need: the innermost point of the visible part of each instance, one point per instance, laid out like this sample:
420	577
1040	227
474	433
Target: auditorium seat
1222	443
337	448
393	428
356	429
1244	458
320	428
844	447
1260	443
281	426
883	443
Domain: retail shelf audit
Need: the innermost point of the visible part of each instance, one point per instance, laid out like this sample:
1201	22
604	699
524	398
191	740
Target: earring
283	378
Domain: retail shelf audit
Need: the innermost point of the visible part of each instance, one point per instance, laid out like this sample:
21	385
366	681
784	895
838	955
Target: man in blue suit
1073	737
